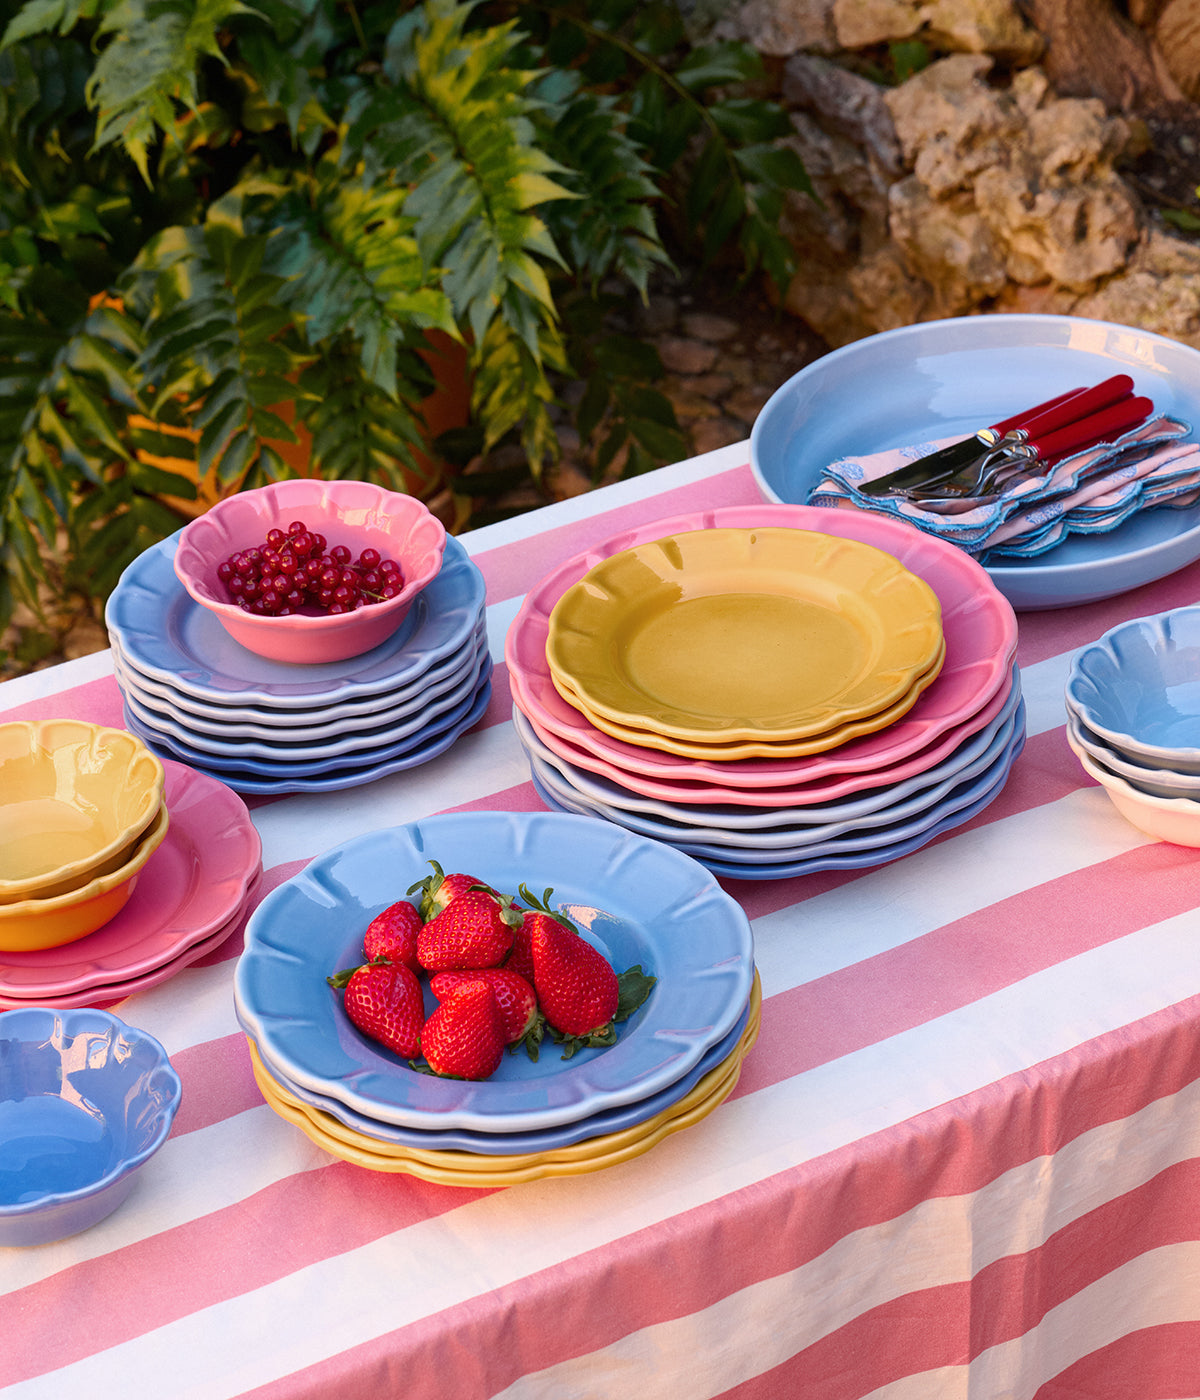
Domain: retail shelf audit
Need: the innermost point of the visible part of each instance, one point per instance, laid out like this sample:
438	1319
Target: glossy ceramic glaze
731	864
1138	688
85	1101
608	1120
190	888
733	751
782	825
492	1170
341	770
979	627
357	514
164	637
638	901
299	726
1174	819
807	843
74	799
941	378
725	635
27	924
1159	782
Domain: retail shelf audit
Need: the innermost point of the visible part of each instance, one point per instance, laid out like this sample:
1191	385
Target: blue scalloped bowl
1138	688
85	1102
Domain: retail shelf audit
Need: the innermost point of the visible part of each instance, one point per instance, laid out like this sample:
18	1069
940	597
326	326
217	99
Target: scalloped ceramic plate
294	758
638	901
467	1169
940	378
846	793
754	634
979	626
297	726
720	752
165	636
727	867
535	1140
190	887
331	776
758	848
782	826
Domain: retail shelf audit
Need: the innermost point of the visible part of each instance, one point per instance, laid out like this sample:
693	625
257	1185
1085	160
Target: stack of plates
192	693
190	896
675	1060
902	728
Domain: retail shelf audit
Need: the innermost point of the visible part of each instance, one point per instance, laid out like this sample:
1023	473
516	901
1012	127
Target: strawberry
514	996
438	889
520	957
464	1036
384	1001
474	930
393	935
576	987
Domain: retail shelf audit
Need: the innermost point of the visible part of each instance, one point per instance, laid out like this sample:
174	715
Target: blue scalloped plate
725	862
609	1120
163	635
268	782
638	901
296	726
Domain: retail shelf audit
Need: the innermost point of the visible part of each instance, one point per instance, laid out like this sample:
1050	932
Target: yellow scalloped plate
799	748
718	636
475	1169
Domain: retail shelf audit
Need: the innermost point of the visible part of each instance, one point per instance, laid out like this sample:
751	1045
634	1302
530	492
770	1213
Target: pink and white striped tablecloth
963	1159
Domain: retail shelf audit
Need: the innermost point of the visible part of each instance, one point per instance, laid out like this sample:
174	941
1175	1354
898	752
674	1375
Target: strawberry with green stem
464	1035
392	934
439	889
580	994
523	1022
384	1000
474	930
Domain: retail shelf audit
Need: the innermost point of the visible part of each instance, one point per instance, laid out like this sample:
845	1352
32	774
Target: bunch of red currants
294	570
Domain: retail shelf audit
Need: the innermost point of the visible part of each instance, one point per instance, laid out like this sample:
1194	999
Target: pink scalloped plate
112	992
978	622
191	887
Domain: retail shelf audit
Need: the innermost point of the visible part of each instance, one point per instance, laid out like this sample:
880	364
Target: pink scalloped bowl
354	513
978	622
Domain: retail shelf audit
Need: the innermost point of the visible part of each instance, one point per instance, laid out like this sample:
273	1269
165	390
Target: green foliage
211	208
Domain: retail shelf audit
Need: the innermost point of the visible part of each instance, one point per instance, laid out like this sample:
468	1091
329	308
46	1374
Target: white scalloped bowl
1174	819
354	513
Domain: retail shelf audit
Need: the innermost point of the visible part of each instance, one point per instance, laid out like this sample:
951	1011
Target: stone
951	125
683	356
703	325
949	245
746	403
845	103
1177	35
983	26
861	23
713	433
778	28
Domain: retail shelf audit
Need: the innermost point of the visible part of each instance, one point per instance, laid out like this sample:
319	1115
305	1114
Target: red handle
1108	423
1018	420
1079	406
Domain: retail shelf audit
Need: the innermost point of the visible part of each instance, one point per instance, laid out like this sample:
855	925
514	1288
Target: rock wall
969	187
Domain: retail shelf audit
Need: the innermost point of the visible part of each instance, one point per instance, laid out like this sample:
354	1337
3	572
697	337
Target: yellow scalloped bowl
75	798
726	635
29	924
477	1169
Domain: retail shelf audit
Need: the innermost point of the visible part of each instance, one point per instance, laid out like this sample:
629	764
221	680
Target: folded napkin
1090	491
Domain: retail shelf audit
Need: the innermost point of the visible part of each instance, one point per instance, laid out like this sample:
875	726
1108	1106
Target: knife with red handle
1045	417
